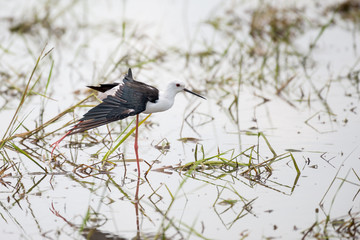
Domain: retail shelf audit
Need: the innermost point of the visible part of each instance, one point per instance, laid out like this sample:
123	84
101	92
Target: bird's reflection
136	203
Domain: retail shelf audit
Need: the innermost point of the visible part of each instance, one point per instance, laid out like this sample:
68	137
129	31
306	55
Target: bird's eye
178	84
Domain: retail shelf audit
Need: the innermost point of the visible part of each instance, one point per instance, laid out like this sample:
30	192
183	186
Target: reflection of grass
345	227
249	164
224	171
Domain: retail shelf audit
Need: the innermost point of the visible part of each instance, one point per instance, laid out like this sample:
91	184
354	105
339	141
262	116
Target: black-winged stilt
128	98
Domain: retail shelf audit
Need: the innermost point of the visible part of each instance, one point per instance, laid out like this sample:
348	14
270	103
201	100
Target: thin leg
55	144
136	144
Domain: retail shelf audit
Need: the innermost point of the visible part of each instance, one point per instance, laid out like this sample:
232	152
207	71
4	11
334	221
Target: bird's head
177	86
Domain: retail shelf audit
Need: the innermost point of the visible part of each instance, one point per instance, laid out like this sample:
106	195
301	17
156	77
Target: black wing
129	99
104	87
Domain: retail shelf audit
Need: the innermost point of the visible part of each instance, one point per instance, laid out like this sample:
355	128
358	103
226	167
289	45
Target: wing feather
104	87
129	99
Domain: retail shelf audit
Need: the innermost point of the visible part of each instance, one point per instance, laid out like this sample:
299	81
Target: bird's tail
88	124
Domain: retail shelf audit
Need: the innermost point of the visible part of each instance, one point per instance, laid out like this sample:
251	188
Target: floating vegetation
249	164
346	227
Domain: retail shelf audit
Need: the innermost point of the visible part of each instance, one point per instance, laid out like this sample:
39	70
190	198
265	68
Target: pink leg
136	144
62	138
58	142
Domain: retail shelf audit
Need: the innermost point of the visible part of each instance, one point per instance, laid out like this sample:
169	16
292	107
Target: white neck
165	102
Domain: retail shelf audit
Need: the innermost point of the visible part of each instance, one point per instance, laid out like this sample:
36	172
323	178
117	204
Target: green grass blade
28	156
268	144
108	153
23	97
49	77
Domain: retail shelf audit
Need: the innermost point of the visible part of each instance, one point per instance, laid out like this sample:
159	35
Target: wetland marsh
273	153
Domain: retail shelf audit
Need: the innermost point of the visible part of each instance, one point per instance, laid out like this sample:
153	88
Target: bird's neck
165	102
168	94
167	98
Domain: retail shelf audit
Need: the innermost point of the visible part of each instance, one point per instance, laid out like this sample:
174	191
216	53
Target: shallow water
314	116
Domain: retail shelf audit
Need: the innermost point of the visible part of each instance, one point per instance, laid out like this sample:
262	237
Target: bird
124	99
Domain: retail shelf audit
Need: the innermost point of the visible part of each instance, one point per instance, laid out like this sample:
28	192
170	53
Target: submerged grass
225	171
254	164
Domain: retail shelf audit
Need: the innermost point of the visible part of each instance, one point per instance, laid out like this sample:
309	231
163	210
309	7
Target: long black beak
198	95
